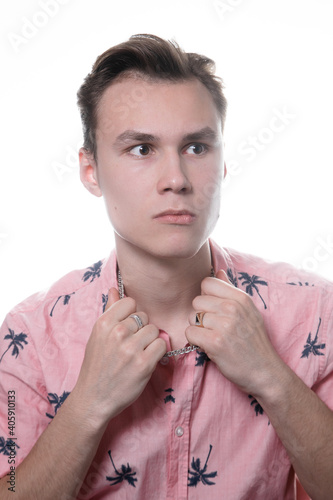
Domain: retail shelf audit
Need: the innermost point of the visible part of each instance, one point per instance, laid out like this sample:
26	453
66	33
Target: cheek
210	190
112	197
124	199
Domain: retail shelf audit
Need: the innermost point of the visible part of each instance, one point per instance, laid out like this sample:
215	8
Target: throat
164	289
169	310
175	330
163	296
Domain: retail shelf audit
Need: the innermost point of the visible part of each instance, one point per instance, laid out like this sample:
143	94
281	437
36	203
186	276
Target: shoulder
86	281
279	273
292	301
286	290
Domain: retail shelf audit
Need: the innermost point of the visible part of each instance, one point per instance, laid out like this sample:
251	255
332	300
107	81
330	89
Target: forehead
158	106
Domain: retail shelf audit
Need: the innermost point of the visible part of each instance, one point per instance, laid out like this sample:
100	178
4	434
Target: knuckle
230	307
227	324
218	343
119	331
101	324
131	351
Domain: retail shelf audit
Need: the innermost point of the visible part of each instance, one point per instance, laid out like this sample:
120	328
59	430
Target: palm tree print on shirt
169	398
105	298
93	271
201	358
126	474
57	401
16	342
311	346
252	283
232	278
257	407
299	283
66	300
198	475
6	444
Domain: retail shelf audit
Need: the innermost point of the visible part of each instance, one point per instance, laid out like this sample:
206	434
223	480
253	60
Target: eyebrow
134	135
204	133
137	136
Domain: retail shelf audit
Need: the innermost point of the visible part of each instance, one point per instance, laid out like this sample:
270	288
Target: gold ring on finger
199	316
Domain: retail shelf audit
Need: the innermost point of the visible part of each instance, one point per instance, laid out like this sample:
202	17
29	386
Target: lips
172	216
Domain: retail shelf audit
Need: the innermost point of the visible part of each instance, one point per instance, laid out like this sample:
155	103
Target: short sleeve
23	396
324	386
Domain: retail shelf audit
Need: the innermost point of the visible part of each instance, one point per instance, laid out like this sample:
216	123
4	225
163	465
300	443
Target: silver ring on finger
137	320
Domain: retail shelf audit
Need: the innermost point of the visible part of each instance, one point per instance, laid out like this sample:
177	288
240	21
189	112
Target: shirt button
164	361
179	431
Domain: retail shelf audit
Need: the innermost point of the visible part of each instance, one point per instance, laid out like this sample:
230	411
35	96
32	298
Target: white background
272	55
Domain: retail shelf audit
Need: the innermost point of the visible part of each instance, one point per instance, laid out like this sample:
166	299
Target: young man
173	369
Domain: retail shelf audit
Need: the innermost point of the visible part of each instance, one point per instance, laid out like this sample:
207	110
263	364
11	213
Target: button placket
184	367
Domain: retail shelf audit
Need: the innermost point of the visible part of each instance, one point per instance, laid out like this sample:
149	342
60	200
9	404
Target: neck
163	287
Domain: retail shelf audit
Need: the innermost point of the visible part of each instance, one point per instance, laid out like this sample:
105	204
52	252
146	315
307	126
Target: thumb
222	275
113	297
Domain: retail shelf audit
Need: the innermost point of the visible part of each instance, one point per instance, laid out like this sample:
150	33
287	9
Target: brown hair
150	56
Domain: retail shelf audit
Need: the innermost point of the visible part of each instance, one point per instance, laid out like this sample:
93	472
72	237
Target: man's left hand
234	336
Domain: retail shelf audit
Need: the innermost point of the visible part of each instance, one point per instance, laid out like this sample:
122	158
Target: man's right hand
119	360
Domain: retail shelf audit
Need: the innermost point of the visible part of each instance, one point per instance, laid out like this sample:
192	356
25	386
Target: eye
196	149
141	150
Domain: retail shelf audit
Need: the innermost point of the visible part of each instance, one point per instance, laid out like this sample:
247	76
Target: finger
222	275
155	351
221	287
196	335
145	336
206	303
132	323
113	297
206	319
118	310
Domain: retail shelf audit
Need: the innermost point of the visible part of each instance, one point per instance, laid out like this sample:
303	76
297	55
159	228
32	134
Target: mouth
171	216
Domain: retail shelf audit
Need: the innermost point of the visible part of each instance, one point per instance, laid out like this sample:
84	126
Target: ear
225	170
88	172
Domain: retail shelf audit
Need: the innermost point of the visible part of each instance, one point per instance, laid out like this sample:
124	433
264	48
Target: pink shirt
192	434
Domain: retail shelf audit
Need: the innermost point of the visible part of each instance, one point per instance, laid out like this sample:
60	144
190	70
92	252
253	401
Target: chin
178	249
176	245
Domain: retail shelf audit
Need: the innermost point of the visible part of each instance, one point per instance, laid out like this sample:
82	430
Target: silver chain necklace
168	354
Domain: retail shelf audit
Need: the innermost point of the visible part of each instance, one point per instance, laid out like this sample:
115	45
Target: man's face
159	164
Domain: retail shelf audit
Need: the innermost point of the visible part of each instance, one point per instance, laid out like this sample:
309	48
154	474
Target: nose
173	175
